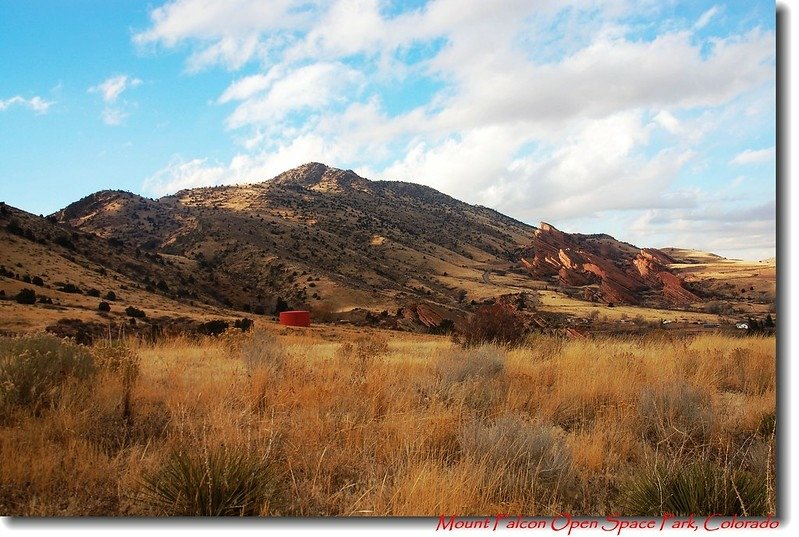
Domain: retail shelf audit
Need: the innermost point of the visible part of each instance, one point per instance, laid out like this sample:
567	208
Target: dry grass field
332	421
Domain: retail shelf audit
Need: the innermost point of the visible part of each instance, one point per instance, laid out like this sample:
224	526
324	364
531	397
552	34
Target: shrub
213	328
110	295
364	350
243	324
699	489
130	311
104	306
38	281
482	363
494	323
262	350
70	288
34	369
222	482
26	296
524	455
675	414
93	292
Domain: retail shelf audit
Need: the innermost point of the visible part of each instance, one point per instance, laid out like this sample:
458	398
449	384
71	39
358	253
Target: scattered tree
26	296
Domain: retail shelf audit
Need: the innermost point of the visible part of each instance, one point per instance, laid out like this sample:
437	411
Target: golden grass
379	424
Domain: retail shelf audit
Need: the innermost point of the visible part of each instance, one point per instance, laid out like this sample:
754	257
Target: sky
652	121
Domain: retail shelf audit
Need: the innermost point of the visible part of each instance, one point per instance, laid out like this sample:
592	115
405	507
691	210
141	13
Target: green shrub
104	306
130	311
26	296
699	489
223	482
34	369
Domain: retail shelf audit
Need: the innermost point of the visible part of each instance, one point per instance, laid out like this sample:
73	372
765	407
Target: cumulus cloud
754	156
558	109
35	103
706	17
111	88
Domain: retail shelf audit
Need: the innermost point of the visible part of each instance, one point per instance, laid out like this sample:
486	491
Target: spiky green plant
700	488
221	482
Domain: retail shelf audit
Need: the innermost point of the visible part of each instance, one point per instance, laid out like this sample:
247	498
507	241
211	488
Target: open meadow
347	422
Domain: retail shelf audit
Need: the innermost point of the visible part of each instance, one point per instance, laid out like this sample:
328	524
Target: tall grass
337	422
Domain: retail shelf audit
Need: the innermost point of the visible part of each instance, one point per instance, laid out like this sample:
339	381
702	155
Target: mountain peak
320	177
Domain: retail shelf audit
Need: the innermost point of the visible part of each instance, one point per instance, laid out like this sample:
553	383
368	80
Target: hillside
387	253
313	235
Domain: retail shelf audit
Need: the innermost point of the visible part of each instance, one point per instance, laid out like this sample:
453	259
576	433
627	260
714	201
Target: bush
523	455
130	311
363	351
26	296
261	351
243	324
38	281
70	288
104	306
110	295
494	323
213	328
34	369
93	292
482	363
676	414
699	489
223	482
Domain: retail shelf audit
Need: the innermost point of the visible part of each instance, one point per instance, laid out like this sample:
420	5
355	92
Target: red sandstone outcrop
624	274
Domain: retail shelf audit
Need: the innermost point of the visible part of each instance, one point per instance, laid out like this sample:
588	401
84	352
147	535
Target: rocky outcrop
609	271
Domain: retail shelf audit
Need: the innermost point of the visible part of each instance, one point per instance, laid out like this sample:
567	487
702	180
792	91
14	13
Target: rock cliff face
608	270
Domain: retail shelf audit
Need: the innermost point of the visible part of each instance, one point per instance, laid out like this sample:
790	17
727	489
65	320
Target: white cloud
180	174
706	17
754	156
311	86
111	88
113	116
36	103
552	109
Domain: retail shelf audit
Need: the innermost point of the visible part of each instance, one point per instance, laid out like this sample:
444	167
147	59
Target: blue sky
653	121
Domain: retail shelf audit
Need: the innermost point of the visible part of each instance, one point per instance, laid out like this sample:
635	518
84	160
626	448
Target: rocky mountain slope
311	235
605	269
384	253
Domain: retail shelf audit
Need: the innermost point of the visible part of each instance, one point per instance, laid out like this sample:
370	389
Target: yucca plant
221	482
701	488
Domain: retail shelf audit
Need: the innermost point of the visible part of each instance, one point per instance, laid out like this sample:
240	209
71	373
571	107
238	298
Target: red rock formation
625	274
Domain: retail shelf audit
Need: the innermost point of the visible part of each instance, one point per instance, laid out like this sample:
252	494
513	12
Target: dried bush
364	351
220	482
34	370
527	456
262	351
473	377
676	414
481	363
494	323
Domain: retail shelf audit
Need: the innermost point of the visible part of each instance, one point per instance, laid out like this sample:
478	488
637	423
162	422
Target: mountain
384	253
312	235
